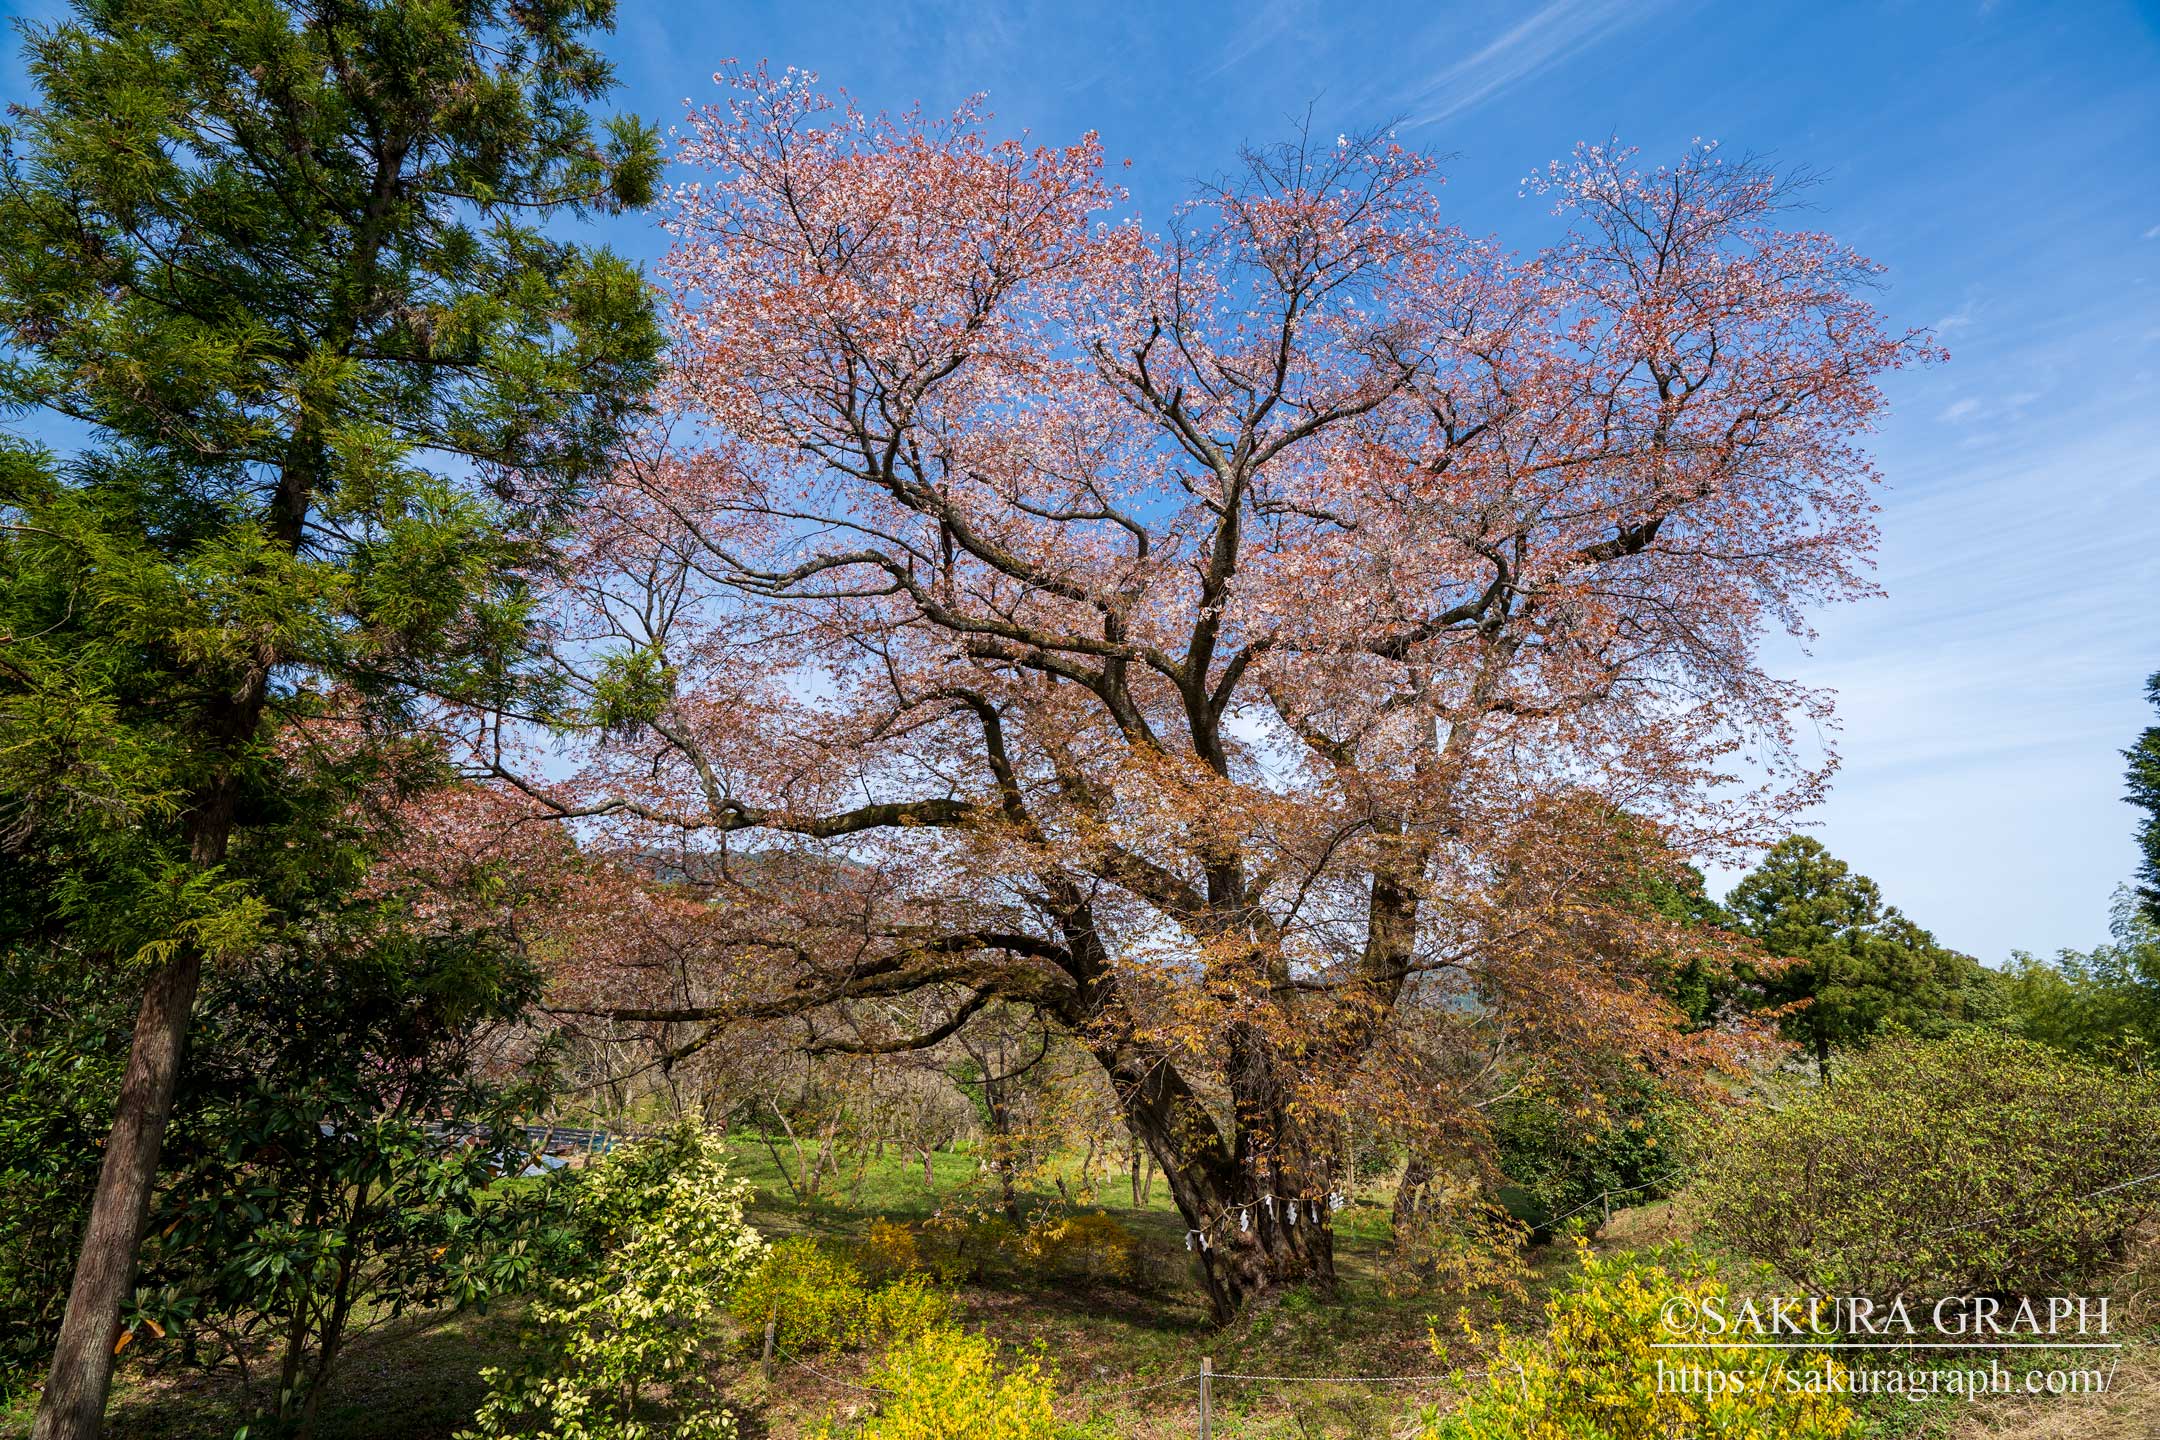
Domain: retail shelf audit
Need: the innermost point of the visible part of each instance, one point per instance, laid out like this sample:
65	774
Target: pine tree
1859	965
2143	780
277	283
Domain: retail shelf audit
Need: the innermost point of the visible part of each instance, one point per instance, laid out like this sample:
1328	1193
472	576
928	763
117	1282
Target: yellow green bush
903	1308
958	1244
818	1300
1091	1243
945	1384
1595	1374
1461	1244
1850	1188
888	1250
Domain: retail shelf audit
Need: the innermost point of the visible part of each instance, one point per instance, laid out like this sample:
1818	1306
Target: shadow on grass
414	1378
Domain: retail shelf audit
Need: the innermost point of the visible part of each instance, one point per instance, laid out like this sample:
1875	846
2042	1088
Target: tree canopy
1860	966
322	389
1233	641
2105	1000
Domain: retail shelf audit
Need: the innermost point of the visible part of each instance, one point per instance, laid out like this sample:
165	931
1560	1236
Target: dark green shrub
63	1039
1967	1165
1562	1157
310	1186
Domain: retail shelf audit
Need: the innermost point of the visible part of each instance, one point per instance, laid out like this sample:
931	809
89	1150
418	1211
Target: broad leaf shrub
945	1384
815	1299
666	1225
966	1243
63	1040
818	1300
893	1248
1595	1374
1966	1165
306	1188
1565	1155
906	1307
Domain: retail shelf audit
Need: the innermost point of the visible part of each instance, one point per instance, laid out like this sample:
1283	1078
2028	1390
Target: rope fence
1205	1377
1129	1389
1604	1198
1206	1371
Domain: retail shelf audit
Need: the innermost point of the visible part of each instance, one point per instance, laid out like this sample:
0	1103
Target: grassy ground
1106	1337
416	1378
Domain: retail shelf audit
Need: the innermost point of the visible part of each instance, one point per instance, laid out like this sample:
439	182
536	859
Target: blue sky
1998	157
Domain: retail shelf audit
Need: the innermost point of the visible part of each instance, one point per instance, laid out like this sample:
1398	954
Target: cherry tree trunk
1256	1205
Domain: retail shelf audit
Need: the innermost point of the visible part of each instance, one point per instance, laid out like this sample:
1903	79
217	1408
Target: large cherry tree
1259	646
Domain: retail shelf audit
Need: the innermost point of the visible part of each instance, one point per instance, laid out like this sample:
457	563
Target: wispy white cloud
1986	420
1550	35
2152	234
1961	318
1266	24
1985	701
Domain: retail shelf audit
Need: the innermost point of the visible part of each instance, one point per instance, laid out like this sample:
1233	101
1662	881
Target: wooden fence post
767	1361
1207	1374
